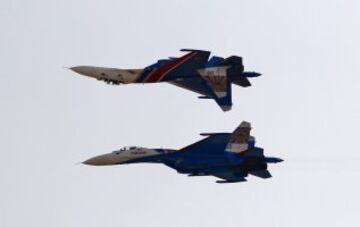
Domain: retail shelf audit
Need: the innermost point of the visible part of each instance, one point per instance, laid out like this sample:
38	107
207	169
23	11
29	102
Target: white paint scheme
111	74
237	147
237	144
216	79
214	71
122	155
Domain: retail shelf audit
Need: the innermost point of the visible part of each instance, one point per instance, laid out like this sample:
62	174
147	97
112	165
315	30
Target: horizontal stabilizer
262	174
232	60
242	82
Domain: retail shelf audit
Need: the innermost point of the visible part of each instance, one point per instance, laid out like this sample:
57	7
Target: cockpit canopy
127	148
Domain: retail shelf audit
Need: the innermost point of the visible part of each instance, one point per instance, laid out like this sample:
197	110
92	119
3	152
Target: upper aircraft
193	71
228	156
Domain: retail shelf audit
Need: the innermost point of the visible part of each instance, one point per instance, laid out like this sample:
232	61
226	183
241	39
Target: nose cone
86	71
100	160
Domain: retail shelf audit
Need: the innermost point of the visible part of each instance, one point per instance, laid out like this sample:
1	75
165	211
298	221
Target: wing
207	150
202	88
173	68
213	144
195	85
193	72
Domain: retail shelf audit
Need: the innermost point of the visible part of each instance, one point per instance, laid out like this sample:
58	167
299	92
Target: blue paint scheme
144	74
197	85
226	101
185	74
210	157
200	86
189	68
214	61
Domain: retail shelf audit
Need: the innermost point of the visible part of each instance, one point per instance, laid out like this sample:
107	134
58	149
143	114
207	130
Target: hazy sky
305	109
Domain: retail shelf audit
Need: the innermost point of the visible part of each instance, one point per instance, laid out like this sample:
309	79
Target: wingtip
187	50
225	108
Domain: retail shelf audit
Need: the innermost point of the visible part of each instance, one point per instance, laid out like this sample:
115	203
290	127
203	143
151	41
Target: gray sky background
305	108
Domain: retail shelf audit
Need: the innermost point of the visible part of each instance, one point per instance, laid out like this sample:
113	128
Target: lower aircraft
228	156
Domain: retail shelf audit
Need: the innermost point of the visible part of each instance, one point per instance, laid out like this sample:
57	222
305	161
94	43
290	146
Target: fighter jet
228	156
211	79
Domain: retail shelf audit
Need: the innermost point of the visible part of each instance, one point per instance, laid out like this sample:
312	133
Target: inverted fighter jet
228	156
211	79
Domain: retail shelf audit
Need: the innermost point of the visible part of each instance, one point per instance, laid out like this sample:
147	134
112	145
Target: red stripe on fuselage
159	73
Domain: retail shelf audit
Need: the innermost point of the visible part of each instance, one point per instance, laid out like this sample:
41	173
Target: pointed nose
99	161
85	70
91	162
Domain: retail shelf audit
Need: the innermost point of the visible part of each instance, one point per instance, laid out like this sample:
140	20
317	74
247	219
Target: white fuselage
124	155
109	74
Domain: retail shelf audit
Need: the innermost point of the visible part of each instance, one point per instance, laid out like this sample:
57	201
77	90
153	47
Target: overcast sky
305	109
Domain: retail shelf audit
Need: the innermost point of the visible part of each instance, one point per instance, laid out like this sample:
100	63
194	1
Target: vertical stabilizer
240	139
